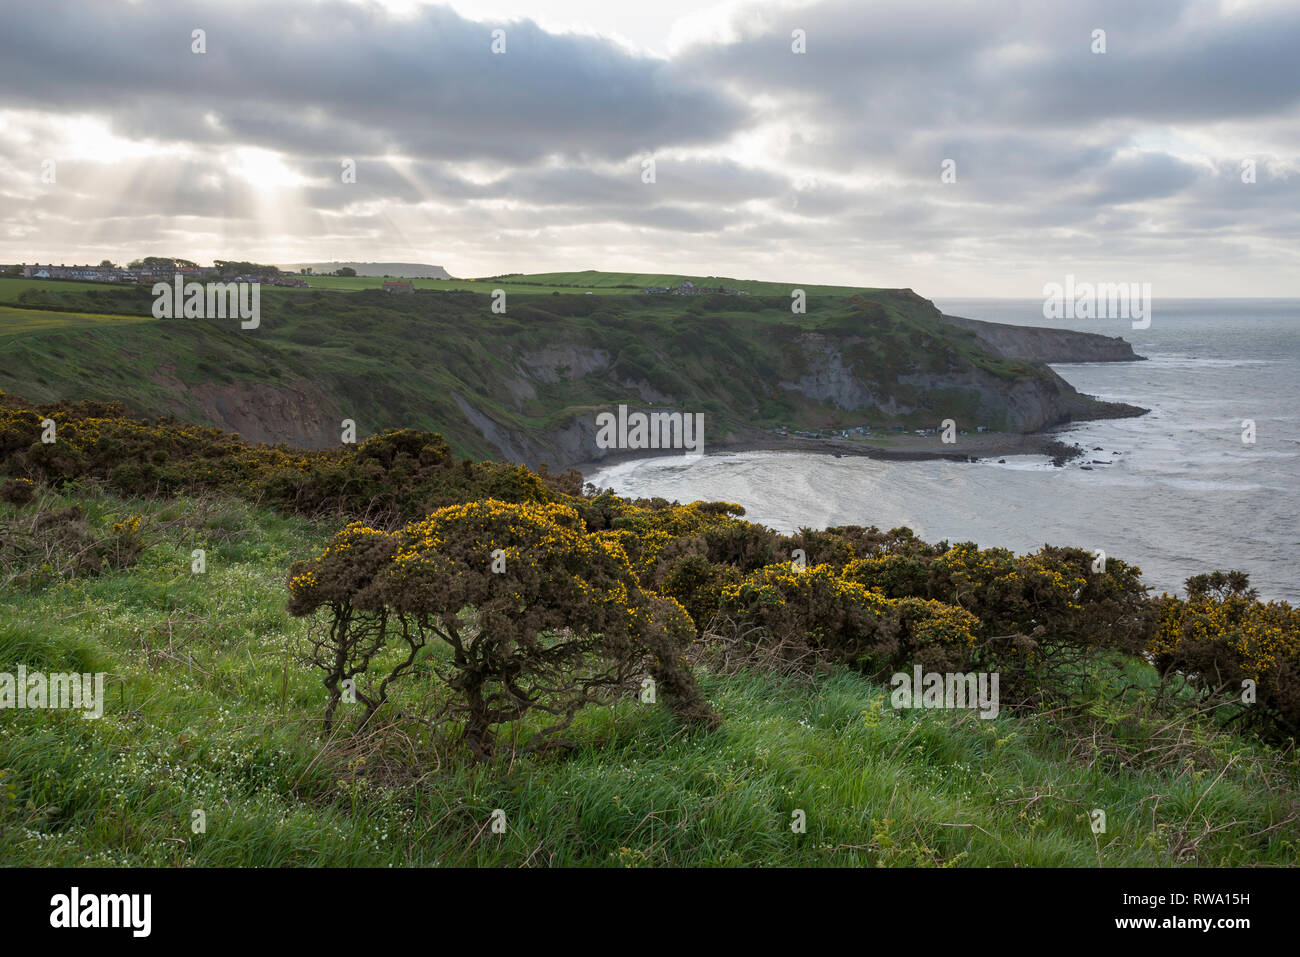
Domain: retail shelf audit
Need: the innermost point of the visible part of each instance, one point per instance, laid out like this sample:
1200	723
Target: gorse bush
848	622
1055	590
537	614
1045	621
697	584
390	477
1220	637
17	491
655	532
41	545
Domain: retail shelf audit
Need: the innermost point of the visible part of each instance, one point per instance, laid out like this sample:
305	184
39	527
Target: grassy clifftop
526	384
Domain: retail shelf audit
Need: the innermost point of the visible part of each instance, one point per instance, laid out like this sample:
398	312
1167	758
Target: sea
1180	492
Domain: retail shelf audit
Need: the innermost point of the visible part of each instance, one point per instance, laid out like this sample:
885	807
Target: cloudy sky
818	166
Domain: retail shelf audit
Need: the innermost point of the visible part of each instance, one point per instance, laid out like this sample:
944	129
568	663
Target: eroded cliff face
538	403
825	375
1022	405
829	378
1040	344
560	448
296	412
1026	403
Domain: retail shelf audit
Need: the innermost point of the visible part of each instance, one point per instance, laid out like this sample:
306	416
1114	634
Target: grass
587	281
633	283
12	286
208	711
24	322
485	286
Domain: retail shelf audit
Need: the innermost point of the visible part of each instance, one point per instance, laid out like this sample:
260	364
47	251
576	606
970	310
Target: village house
688	288
150	274
399	287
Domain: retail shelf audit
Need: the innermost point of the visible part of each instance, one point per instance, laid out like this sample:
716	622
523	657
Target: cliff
887	358
526	385
1046	345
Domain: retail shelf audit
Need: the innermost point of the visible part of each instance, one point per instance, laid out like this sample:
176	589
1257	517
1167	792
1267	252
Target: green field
10	287
485	286
593	281
580	283
635	283
210	709
20	322
605	283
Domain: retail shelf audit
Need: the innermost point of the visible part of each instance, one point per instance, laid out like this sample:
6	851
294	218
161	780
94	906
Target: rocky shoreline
901	448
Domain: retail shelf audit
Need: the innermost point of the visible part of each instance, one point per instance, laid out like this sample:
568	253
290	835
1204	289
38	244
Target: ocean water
1181	493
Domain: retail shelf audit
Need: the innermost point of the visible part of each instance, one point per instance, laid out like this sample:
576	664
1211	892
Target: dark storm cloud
1010	91
1132	179
714	181
1060	153
339	78
1014	63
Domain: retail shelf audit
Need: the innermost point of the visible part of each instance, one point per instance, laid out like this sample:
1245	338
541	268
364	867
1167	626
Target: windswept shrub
867	542
698	584
1220	637
567	483
44	545
818	547
390	477
841	544
1220	586
342	581
17	491
655	533
743	545
1114	610
848	622
1006	592
1053	592
556	618
897	576
1045	621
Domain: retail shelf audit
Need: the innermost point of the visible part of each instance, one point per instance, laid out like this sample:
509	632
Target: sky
957	148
